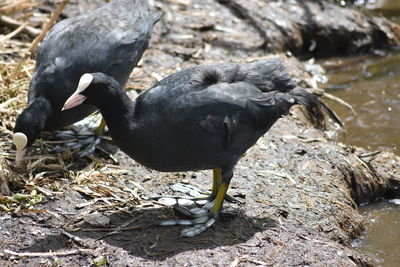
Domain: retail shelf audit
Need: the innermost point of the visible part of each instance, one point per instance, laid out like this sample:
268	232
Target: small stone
395	201
185	202
167	201
97	219
99	261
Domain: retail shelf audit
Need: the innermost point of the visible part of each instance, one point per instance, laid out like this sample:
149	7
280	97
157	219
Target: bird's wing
243	85
268	74
229	111
238	102
169	89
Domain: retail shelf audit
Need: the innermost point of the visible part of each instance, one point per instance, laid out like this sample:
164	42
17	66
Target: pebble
97	219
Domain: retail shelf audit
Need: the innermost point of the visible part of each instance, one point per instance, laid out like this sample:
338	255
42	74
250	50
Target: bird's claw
201	219
197	208
192	213
181	201
198	228
196	196
82	139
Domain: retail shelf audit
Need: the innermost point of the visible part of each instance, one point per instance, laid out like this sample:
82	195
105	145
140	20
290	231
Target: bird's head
92	89
21	142
27	129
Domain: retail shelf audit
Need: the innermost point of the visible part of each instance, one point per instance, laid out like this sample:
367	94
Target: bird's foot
200	208
82	139
184	201
197	197
200	219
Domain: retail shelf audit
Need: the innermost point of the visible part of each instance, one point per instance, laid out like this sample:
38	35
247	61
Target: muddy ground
298	189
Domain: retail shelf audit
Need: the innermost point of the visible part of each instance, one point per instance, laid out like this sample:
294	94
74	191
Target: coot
204	117
110	40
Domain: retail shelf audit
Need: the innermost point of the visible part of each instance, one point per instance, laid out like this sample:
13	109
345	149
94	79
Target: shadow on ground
143	238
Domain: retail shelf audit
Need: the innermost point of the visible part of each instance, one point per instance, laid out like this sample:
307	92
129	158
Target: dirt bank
299	190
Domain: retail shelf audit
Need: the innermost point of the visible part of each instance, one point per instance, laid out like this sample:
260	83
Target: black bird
110	40
204	117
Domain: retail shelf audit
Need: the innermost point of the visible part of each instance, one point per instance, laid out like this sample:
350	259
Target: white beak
74	100
20	141
18	157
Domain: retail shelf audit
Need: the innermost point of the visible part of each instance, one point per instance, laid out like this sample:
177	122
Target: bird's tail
303	97
314	105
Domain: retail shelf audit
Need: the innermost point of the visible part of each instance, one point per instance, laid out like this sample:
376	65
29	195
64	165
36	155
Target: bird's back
267	75
208	116
110	39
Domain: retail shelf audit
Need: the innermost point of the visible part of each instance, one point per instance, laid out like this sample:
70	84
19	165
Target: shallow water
371	84
381	238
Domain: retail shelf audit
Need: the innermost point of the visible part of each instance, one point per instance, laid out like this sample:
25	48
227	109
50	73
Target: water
371	84
381	238
387	6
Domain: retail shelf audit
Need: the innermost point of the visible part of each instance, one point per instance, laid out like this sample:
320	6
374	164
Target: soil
298	189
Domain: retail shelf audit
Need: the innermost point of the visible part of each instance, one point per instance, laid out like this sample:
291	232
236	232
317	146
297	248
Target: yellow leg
217	179
219	200
100	129
203	220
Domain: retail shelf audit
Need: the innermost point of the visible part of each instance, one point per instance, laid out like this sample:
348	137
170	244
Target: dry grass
13	97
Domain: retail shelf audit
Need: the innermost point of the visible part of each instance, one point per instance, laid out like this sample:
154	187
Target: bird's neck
117	109
33	119
39	110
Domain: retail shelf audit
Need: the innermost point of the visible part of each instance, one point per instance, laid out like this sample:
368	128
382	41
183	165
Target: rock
97	219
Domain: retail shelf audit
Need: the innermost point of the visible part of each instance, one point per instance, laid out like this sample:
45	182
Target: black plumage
204	117
110	39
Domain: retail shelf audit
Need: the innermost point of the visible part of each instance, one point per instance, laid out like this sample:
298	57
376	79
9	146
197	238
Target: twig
112	230
16	6
339	101
116	230
76	239
370	154
12	23
283	175
13	33
47	254
47	27
40	37
332	114
235	262
4	104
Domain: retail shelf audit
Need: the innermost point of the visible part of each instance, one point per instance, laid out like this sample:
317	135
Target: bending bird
110	39
204	117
